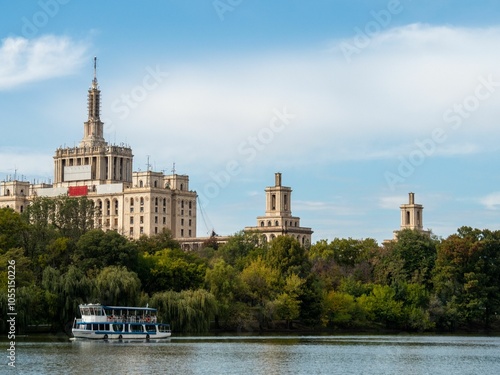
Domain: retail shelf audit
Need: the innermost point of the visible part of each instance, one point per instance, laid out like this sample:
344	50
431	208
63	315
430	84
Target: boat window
150	328
136	328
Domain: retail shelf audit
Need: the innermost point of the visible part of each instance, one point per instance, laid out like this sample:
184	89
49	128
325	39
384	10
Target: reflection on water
265	355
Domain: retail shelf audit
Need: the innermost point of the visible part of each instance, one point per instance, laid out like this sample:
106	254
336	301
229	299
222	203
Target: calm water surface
263	355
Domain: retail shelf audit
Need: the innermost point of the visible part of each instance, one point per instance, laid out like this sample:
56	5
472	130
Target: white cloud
23	60
392	94
491	201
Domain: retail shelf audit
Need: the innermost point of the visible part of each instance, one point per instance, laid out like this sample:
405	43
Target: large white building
132	203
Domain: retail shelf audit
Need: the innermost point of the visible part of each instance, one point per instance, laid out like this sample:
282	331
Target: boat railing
132	319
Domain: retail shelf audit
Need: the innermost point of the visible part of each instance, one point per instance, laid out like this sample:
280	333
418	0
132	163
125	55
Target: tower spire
93	127
94	81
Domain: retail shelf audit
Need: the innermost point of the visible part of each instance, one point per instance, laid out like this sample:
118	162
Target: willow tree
117	286
64	292
187	311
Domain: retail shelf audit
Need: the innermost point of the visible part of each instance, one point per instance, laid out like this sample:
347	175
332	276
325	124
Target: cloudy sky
356	103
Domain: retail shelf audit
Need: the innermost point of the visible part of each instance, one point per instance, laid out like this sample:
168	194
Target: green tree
223	281
98	249
286	255
260	281
117	286
173	269
241	249
187	311
157	242
418	252
12	228
64	292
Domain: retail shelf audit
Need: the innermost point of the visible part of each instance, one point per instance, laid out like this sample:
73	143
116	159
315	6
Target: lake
397	354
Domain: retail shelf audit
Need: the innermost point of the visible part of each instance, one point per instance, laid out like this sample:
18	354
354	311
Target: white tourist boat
119	323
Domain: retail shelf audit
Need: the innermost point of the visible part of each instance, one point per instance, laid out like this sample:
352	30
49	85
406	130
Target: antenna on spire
94	81
173	168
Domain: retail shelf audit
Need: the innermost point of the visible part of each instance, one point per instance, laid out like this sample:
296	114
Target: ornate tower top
93	127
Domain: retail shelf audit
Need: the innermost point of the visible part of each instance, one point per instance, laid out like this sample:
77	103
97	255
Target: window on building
131	231
182	232
190	204
182	221
115	222
156	201
276	223
190	233
116	207
141	230
156	230
182	204
273	202
131	209
131	220
156	183
141	184
141	220
142	209
156	209
142	201
269	223
164	220
189	222
156	219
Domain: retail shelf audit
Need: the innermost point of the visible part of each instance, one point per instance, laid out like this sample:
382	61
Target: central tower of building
278	219
93	162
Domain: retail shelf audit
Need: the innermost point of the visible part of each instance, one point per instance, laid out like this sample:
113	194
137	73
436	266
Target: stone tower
411	216
278	219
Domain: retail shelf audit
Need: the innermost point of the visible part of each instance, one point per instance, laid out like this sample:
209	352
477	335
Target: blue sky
356	103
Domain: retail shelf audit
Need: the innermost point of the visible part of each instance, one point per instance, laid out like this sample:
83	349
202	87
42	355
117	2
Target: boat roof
119	307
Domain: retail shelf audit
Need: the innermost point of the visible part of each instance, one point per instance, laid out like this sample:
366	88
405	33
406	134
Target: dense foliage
418	283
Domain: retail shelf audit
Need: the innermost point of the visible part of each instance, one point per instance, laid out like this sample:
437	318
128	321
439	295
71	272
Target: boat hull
110	335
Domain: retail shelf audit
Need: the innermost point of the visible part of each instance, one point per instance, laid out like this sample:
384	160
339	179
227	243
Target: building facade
131	203
278	219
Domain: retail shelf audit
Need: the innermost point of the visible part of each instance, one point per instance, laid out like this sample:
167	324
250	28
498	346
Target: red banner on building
76	191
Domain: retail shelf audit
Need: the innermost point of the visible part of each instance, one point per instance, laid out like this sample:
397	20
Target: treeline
418	283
